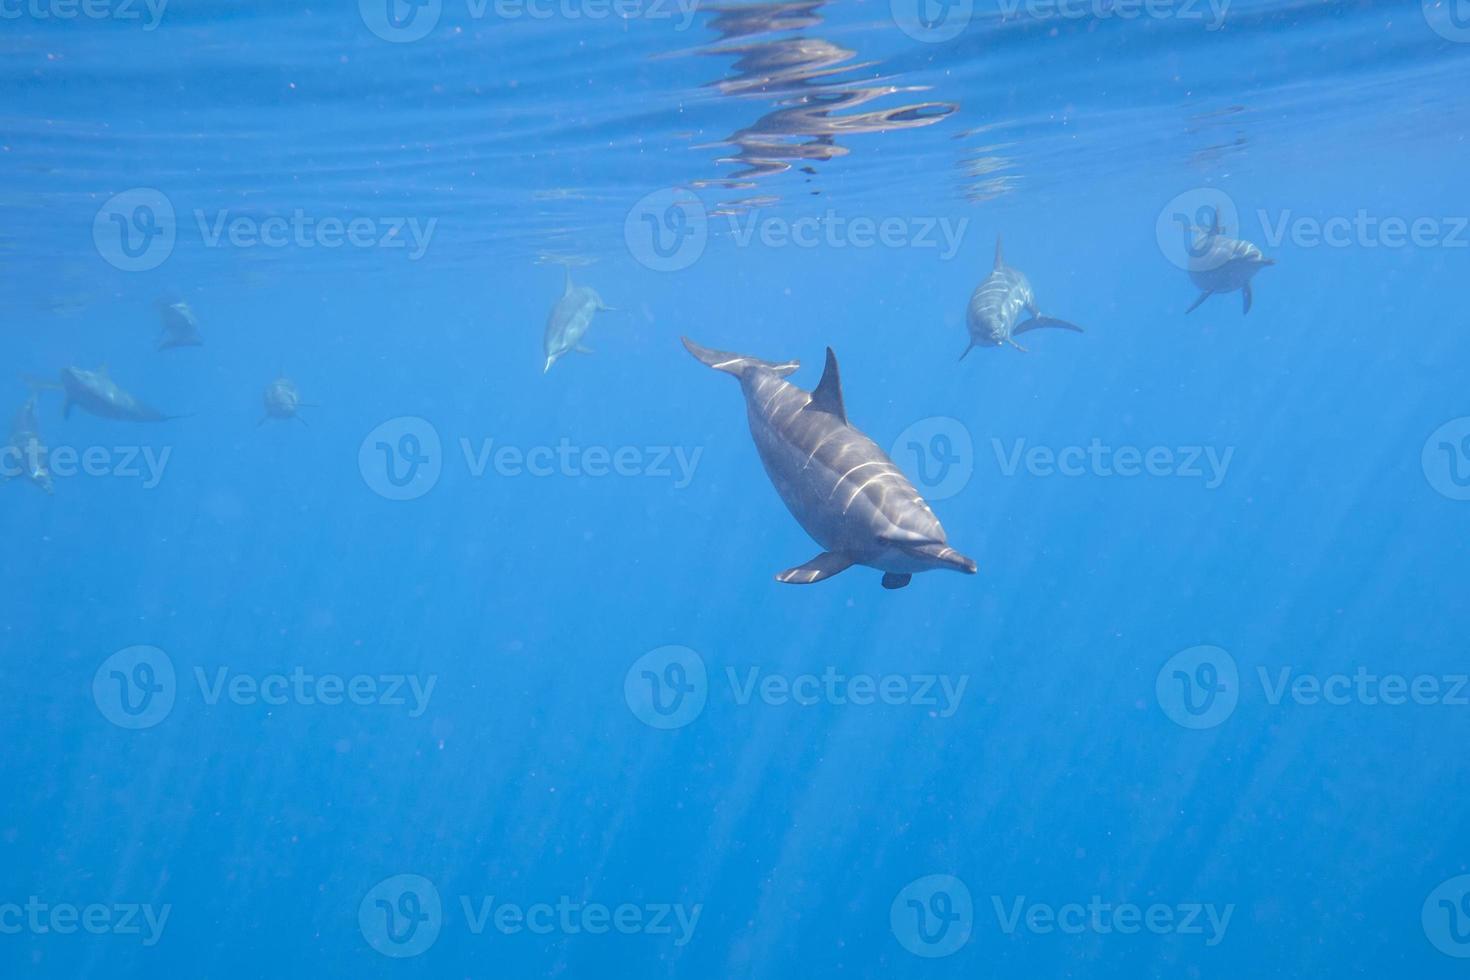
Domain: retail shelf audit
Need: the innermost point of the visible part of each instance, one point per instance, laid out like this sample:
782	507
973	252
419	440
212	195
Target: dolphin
997	304
283	401
180	326
1218	264
841	488
29	449
569	320
95	392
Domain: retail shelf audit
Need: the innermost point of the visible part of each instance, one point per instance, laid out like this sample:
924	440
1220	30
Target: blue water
1090	761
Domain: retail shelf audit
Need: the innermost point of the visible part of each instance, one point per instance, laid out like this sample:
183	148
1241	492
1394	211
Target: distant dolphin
1218	264
180	326
283	401
843	490
29	449
95	392
569	320
997	305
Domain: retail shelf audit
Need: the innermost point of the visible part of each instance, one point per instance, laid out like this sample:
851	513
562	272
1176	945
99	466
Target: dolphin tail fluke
1202	297
1245	291
825	565
1047	321
736	364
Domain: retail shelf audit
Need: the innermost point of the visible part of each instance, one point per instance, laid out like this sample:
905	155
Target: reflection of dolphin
998	303
836	482
283	401
1218	264
95	392
27	447
569	320
180	326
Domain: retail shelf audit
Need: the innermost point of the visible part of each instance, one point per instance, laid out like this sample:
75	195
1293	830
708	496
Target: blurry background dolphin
1220	264
570	320
997	304
96	393
283	402
28	452
180	325
841	488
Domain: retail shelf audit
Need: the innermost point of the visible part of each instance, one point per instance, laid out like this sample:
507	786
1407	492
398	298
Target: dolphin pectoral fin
827	396
263	420
582	349
893	580
302	421
1202	297
825	565
66	407
549	361
967	350
1246	292
1012	342
1046	321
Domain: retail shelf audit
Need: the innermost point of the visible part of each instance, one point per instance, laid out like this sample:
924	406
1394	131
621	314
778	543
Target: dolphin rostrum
569	320
841	488
1218	264
997	304
180	326
28	449
283	401
95	392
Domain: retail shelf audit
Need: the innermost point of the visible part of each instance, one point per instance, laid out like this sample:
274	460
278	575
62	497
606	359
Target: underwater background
470	668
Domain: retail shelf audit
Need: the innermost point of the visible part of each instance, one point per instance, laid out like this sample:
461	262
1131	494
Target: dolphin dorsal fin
827	396
999	256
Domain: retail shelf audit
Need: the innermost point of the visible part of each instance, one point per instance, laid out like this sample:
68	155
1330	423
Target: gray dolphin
28	448
283	401
95	392
841	488
180	326
996	306
569	320
1218	264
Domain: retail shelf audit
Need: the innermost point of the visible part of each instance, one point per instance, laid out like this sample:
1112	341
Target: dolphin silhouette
569	320
841	488
1219	264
